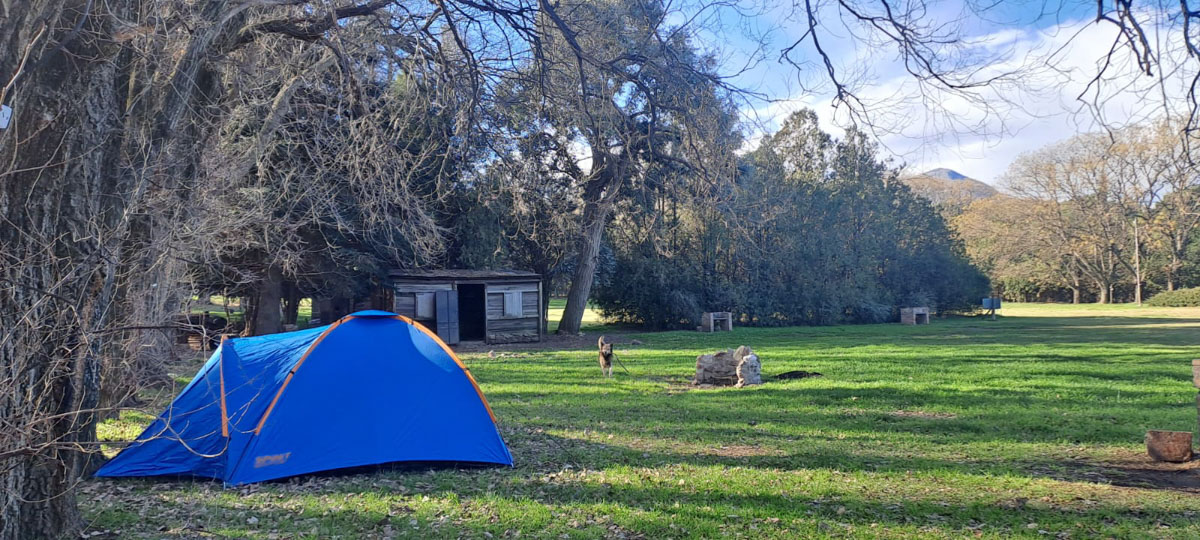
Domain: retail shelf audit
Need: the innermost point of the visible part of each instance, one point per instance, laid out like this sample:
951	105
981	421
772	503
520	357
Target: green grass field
592	321
213	306
1027	426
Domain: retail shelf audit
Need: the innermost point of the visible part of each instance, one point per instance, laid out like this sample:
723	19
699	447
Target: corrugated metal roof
461	274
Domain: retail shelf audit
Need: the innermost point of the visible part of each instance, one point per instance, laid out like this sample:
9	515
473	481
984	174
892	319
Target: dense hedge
1179	298
811	231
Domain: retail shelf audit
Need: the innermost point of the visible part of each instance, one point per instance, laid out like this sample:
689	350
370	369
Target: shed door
446	303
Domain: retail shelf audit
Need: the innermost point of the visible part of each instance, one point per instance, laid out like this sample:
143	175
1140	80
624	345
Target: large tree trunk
1137	264
600	196
291	302
61	201
547	285
1176	263
249	315
268	315
91	150
595	218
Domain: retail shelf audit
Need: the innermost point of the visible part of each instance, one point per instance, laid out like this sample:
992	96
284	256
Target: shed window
425	305
512	304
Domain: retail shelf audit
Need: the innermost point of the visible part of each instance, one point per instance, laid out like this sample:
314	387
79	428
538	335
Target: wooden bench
716	320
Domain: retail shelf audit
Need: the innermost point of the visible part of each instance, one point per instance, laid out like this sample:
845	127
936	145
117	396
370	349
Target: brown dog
606	357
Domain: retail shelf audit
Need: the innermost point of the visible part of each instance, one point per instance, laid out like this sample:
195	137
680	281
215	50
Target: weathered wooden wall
405	298
522	326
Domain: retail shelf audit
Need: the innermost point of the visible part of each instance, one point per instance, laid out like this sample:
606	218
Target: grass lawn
1028	426
212	305
592	321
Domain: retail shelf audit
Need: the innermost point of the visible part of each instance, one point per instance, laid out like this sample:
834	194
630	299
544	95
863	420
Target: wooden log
1169	445
718	369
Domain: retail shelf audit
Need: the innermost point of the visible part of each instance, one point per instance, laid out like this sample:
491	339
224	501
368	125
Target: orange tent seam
292	373
221	376
418	325
454	357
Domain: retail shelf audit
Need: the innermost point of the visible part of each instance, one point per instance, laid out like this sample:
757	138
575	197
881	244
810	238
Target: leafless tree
103	190
98	202
964	84
1103	197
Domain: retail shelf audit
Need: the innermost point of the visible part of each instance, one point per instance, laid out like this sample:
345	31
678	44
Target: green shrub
810	230
1179	298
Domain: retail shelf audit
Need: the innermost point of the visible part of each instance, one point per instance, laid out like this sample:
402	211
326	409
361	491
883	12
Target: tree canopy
160	149
1100	215
812	230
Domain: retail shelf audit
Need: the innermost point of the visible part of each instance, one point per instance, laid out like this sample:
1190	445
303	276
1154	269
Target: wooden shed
493	306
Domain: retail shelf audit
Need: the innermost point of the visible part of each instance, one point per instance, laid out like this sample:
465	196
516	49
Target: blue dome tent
372	388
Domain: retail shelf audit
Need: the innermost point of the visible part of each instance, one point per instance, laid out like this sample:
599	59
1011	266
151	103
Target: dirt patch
687	385
923	414
549	341
1138	470
740	450
1132	470
1186	480
679	386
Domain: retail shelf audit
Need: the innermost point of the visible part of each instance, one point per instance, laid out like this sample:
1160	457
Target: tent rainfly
372	388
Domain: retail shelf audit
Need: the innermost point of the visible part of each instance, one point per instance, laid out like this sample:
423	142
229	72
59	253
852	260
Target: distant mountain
949	190
946	174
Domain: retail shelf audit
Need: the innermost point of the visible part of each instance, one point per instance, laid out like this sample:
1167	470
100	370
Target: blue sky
1054	46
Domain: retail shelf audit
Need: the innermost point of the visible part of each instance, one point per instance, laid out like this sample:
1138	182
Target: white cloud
980	133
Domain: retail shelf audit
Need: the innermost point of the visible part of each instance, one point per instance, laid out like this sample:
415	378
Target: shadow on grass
707	508
593	504
957	332
999	413
536	452
559	476
790	415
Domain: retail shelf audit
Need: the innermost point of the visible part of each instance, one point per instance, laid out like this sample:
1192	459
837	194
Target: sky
1046	50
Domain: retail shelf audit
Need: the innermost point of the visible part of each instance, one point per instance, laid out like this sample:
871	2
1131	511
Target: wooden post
486	321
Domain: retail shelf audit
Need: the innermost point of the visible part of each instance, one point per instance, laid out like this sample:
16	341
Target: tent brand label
274	459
